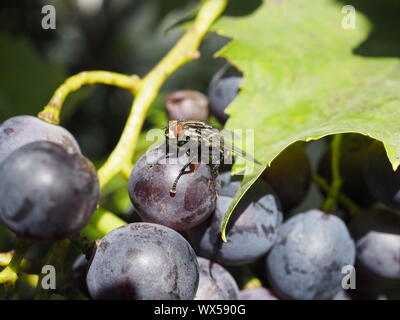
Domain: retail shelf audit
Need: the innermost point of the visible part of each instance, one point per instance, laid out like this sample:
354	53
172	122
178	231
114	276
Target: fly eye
178	130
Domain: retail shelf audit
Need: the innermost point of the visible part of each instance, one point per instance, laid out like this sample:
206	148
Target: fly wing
227	145
197	124
239	152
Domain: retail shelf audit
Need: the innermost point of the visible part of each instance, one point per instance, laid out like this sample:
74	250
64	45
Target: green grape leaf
302	80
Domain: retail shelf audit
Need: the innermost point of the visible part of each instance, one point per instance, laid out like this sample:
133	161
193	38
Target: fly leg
192	168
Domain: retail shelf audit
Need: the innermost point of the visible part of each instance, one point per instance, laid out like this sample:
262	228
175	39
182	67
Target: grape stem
126	171
145	91
351	206
56	257
9	275
330	204
184	51
5	258
105	221
30	279
51	112
250	281
26	265
91	233
85	245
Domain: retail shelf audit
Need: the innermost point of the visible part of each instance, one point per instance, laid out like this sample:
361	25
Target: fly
211	145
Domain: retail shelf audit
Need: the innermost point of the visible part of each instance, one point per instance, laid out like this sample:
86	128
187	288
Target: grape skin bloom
143	261
47	193
21	130
215	283
307	260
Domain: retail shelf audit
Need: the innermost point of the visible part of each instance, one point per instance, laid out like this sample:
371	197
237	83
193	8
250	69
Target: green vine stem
51	112
185	50
91	232
350	205
105	221
84	244
9	275
26	265
5	258
146	90
126	171
249	280
55	257
30	279
252	283
331	200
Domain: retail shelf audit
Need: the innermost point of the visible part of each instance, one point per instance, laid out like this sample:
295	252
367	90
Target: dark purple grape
352	153
382	181
215	283
224	87
149	189
377	236
368	285
342	295
289	176
229	184
79	271
260	293
143	261
47	193
187	105
306	262
132	216
21	130
251	232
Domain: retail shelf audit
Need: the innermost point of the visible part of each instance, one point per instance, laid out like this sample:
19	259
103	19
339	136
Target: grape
307	260
251	232
215	283
382	181
342	295
133	216
149	189
377	236
229	184
368	286
47	194
187	105
79	271
143	261
352	153
289	176
257	294
224	87
18	131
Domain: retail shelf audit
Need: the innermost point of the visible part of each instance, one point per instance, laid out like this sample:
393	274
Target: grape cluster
282	241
